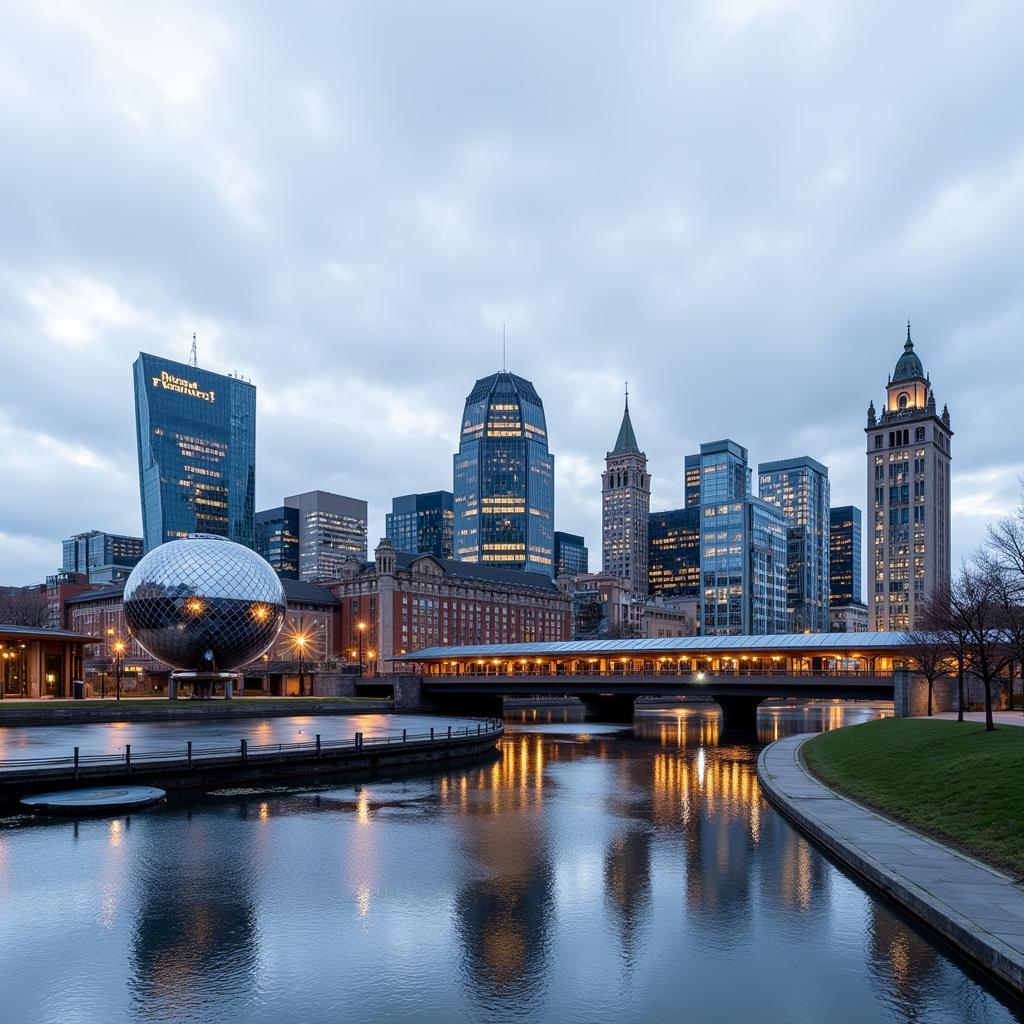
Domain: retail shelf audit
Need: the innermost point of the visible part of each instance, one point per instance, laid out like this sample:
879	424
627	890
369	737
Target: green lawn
950	780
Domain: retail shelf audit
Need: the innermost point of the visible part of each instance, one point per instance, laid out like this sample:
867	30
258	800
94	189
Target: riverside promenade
976	908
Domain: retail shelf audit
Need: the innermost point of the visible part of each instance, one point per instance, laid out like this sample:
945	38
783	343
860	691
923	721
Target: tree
24	606
1005	556
987	649
925	644
955	634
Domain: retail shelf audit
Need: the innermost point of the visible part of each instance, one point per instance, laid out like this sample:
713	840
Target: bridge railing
698	674
191	753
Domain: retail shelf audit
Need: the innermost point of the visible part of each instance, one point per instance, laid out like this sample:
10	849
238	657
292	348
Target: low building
670	617
404	602
37	662
602	604
849	618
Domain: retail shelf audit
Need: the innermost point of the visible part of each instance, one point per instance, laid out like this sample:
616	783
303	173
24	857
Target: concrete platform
976	908
97	800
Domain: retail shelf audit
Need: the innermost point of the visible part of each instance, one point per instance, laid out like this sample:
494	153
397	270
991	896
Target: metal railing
654	671
245	751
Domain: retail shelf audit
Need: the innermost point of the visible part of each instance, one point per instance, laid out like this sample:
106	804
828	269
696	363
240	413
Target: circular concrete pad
96	800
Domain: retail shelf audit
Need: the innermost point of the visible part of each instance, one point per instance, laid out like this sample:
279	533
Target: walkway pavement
999	717
978	909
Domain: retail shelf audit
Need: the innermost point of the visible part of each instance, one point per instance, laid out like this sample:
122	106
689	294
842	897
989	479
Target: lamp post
361	626
370	654
119	646
300	643
103	677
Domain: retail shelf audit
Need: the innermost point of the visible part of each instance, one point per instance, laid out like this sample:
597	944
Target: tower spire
909	344
627	396
193	359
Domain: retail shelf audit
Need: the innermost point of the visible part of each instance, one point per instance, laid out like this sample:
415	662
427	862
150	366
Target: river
593	873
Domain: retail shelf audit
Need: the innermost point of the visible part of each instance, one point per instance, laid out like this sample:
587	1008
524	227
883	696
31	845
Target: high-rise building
625	506
908	493
332	530
103	557
571	554
673	561
422	523
691	481
844	559
742	548
505	478
799	488
277	539
196	433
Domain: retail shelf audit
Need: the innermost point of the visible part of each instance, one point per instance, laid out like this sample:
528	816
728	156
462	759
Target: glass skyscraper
504	478
419	523
845	555
104	557
332	529
673	560
799	488
571	555
277	540
196	433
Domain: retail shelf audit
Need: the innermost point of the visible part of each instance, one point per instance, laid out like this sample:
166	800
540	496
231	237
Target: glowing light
194	605
260	612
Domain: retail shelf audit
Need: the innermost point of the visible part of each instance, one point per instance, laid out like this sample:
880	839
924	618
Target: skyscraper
844	559
571	555
504	478
196	434
742	548
104	557
625	506
908	492
420	523
332	529
673	562
277	539
799	488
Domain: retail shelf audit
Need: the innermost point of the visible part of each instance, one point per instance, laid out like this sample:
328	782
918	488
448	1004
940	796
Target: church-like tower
908	494
625	508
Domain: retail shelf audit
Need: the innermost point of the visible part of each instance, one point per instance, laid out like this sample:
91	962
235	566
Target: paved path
999	717
975	907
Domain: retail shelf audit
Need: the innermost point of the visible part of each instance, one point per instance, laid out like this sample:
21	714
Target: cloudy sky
735	205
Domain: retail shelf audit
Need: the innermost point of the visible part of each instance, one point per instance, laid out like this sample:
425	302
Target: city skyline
613	251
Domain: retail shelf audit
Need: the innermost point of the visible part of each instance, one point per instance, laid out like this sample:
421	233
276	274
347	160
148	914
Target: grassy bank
950	780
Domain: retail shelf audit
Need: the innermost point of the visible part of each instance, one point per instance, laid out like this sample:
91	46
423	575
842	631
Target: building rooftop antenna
193	359
504	369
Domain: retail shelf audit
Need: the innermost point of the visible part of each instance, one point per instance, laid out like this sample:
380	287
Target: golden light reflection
264	811
363	809
116	832
363	901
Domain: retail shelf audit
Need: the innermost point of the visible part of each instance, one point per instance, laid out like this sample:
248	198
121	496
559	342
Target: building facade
602	606
406	602
844	557
799	488
673	559
332	529
849	618
196	434
908	493
102	557
504	478
422	523
625	508
742	548
571	555
277	539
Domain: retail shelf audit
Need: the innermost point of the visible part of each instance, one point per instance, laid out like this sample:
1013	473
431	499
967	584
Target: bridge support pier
608	707
739	714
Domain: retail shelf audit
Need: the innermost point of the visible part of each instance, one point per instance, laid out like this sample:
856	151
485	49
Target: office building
673	559
571	554
799	488
908	493
196	434
505	478
407	602
844	557
742	548
277	539
422	523
625	506
102	557
691	481
332	528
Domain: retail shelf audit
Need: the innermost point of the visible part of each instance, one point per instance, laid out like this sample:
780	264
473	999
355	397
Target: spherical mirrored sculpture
204	604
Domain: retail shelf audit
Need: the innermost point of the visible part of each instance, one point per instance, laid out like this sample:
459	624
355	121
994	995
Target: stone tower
625	508
908	495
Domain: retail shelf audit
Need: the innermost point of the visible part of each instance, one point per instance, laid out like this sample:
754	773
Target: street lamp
119	647
361	626
370	656
300	644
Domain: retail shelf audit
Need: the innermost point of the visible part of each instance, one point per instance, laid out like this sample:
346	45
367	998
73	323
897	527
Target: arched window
903	400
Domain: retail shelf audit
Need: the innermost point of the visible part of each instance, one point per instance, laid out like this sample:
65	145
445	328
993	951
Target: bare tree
24	606
926	645
1005	556
987	650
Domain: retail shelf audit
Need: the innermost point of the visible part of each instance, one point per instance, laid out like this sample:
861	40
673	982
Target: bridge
608	675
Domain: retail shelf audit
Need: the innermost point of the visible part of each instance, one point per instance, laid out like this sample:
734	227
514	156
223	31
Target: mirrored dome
204	604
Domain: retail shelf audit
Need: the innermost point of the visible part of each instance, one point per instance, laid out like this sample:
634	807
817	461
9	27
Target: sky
735	205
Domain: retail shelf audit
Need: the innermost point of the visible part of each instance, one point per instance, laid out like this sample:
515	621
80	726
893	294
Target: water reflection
592	873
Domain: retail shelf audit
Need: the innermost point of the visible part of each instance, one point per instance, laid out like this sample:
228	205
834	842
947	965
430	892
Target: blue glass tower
196	433
505	478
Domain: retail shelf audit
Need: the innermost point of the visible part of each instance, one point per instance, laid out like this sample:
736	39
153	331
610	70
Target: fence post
245	750
478	728
359	741
190	755
318	744
431	732
128	758
76	764
449	732
403	735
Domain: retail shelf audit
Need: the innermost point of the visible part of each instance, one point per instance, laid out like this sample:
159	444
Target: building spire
908	345
193	359
627	396
626	441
